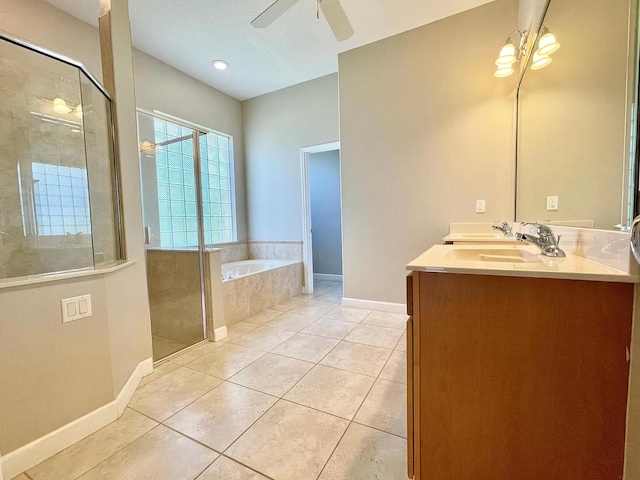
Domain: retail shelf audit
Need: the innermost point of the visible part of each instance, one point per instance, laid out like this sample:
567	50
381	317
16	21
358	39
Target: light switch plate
480	206
552	203
76	308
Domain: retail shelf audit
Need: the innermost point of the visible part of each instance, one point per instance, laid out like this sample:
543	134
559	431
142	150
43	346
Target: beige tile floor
307	390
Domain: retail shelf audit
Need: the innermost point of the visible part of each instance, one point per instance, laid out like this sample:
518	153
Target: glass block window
217	196
176	185
177	200
61	199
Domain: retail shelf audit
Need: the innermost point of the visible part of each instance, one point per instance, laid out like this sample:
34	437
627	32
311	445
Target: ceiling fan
332	10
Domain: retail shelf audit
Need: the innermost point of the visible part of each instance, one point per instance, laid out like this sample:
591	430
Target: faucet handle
502	226
541	228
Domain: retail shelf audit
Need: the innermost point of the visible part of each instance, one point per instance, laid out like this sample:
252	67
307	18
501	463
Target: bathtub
235	270
252	286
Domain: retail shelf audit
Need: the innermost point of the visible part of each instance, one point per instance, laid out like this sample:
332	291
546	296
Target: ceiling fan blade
272	13
337	19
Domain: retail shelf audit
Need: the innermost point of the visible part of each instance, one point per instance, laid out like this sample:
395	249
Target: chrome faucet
504	227
545	241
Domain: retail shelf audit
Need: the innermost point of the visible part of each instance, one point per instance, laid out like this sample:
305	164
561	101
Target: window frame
201	129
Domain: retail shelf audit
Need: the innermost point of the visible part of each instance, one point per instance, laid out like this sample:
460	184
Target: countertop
439	259
479	238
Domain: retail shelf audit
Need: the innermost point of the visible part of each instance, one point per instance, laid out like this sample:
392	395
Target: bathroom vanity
518	365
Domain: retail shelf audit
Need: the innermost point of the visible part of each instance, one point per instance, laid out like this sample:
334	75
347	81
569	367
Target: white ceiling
190	34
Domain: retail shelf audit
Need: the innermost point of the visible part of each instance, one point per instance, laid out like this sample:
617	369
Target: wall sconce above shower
512	52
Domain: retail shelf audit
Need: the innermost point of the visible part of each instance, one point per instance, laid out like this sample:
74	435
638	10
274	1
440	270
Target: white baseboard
218	334
373	305
14	463
326	276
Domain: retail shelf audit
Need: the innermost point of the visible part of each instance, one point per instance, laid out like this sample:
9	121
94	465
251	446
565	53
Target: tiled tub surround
275	251
233	252
250	295
236	252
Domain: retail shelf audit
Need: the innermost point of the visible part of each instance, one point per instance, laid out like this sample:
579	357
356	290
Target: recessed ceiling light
220	64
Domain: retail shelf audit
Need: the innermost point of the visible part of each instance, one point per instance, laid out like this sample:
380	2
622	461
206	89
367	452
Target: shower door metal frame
204	283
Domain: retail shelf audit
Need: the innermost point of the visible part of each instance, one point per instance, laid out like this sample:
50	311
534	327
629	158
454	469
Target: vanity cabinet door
520	378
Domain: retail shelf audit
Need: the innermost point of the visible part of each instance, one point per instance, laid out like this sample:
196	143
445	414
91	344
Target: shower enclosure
187	180
59	203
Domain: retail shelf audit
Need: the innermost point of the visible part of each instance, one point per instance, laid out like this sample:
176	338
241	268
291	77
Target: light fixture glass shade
507	55
540	61
503	71
60	106
79	112
547	44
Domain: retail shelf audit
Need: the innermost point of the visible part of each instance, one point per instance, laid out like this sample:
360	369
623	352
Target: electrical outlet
552	203
76	308
480	206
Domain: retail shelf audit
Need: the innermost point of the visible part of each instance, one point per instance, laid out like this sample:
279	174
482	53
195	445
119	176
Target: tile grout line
247	466
119	450
277	401
105	459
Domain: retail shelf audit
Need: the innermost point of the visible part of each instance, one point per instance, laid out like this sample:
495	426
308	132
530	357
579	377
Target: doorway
322	241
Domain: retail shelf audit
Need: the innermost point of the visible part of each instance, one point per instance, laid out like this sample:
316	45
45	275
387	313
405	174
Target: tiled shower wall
250	295
236	252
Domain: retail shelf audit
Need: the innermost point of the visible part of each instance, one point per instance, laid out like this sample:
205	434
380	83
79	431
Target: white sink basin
505	255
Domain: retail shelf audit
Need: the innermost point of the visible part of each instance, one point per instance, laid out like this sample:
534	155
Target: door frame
207	325
307	243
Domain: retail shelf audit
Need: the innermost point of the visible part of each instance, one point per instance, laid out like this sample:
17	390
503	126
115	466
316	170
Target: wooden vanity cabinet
516	377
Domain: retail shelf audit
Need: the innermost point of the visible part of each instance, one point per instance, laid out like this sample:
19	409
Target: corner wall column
130	332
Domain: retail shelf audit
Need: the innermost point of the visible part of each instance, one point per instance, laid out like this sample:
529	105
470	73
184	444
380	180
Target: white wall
425	130
326	216
277	126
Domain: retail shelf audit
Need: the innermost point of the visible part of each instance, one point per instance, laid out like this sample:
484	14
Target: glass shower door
170	209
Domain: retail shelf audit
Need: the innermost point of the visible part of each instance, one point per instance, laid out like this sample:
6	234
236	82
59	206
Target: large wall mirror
576	130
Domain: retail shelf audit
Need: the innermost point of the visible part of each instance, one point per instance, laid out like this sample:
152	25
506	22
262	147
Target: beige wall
277	126
52	373
430	134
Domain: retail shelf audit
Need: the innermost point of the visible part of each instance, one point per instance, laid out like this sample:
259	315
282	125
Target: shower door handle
147	235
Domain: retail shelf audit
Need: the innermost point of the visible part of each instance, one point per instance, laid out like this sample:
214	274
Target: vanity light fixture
540	61
60	106
220	65
511	53
503	71
547	43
